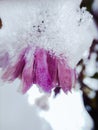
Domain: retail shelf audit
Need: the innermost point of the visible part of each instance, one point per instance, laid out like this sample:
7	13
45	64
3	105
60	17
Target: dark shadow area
0	23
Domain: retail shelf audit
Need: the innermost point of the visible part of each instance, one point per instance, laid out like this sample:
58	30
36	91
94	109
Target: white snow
65	111
91	83
67	29
16	113
90	65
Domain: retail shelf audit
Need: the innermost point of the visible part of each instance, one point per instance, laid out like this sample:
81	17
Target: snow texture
59	26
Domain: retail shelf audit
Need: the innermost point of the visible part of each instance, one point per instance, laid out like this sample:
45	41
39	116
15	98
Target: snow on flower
41	68
44	40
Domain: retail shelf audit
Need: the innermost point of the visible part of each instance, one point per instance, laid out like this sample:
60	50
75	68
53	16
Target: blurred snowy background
37	111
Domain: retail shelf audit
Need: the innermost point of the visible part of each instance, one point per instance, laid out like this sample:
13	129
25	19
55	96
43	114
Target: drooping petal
43	78
66	76
40	67
13	72
52	67
27	74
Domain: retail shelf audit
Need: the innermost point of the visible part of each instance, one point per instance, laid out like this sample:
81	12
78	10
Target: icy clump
60	26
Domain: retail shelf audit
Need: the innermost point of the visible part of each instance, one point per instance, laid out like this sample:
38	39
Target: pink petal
66	75
12	72
52	67
4	60
27	74
43	78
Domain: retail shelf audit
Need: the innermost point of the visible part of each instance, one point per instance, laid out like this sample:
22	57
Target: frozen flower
45	40
42	68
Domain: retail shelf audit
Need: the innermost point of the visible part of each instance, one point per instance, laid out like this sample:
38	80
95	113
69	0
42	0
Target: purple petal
4	60
43	78
66	75
27	74
52	67
18	68
12	72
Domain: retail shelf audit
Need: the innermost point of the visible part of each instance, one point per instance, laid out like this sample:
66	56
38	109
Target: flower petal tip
43	69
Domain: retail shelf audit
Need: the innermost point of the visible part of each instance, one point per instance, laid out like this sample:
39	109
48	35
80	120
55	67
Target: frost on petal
12	72
65	75
43	78
27	74
4	60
